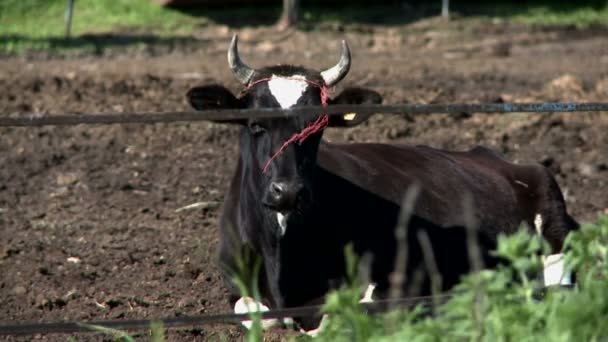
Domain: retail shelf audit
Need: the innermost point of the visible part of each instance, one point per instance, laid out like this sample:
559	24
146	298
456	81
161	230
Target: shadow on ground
379	12
99	44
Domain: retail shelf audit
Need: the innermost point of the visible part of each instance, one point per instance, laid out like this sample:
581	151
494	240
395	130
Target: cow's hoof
367	298
247	305
316	331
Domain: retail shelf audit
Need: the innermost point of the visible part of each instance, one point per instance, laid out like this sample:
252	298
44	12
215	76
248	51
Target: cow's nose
277	189
282	195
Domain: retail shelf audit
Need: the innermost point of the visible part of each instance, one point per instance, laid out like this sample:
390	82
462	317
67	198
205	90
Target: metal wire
173	322
37	119
25	120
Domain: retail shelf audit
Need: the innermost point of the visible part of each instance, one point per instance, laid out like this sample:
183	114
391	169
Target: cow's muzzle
282	196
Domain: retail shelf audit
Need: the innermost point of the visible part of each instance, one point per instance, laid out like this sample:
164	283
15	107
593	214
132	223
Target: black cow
298	209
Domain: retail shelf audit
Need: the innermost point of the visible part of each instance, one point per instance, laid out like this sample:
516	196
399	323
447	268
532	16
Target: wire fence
377	306
37	119
33	120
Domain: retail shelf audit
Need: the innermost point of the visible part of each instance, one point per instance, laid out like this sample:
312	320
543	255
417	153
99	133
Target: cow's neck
255	217
254	221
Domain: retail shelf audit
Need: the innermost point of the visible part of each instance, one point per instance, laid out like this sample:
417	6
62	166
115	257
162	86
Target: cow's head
285	180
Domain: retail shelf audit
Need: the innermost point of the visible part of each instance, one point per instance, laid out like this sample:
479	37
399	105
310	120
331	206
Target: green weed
499	304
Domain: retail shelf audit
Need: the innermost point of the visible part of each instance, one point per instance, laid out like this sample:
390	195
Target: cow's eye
256	129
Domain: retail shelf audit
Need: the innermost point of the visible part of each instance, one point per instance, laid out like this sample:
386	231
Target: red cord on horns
311	129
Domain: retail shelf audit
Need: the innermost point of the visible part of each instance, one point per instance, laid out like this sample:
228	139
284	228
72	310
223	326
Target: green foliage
491	305
248	287
118	335
35	25
543	13
497	305
589	250
157	333
39	25
36	18
347	321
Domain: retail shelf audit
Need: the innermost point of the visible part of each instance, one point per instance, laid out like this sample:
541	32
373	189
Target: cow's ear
213	96
353	96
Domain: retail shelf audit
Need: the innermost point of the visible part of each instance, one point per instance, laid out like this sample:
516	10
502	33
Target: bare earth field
88	222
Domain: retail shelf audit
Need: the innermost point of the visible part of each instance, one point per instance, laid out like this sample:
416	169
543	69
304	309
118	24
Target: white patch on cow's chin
282	220
287	91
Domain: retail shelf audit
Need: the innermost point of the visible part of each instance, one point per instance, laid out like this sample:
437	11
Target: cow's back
446	178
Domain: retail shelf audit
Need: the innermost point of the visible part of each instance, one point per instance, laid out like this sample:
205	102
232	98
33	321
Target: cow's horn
241	70
336	73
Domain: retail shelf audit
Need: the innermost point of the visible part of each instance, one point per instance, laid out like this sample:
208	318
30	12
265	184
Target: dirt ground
89	226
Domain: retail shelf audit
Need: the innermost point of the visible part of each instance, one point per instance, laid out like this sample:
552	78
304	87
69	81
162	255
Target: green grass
579	17
489	306
581	14
39	25
37	19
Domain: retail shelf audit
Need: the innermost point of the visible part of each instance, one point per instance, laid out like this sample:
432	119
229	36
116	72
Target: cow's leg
236	259
368	294
367	298
250	305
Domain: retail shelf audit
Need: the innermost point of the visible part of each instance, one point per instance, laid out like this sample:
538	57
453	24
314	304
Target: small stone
67	178
266	47
72	294
74	260
19	290
160	261
566	84
186	303
586	169
602	86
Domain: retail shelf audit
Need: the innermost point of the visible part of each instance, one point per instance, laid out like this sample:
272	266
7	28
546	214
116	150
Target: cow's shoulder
485	152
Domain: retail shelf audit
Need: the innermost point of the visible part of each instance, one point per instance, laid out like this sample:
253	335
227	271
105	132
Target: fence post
445	9
290	15
68	18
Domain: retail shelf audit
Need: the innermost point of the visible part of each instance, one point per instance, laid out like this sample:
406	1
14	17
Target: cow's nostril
282	196
277	189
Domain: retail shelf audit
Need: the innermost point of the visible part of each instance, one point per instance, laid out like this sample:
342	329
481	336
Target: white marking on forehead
287	91
282	219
